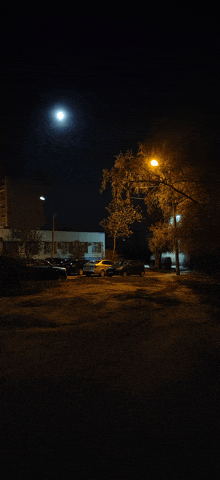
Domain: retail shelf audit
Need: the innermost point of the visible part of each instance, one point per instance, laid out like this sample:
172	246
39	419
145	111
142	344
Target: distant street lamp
155	163
53	230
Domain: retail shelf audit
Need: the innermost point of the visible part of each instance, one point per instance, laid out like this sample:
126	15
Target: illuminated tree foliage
122	214
161	239
199	229
176	184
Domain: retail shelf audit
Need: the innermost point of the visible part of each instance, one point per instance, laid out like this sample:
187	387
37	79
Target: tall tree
122	214
29	241
173	184
78	249
161	239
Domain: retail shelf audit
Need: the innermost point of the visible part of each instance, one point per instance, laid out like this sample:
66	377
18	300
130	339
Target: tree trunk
157	258
114	247
176	246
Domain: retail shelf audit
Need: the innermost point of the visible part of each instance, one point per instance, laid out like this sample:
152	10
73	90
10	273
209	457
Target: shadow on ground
15	288
208	290
23	322
81	429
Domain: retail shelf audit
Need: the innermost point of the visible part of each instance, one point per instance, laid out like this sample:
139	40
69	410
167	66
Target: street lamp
155	163
53	235
53	230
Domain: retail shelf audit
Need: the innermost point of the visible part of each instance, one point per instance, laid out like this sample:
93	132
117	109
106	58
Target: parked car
59	262
73	267
127	267
13	269
98	267
166	263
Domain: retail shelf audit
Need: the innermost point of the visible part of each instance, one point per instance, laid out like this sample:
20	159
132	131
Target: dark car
73	267
13	269
127	267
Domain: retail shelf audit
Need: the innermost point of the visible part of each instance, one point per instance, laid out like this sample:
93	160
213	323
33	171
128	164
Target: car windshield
36	262
119	264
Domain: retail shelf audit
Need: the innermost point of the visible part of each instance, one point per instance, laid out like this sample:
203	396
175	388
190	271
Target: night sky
110	88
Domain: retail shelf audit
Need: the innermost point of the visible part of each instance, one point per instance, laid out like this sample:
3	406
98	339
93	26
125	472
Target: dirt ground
102	377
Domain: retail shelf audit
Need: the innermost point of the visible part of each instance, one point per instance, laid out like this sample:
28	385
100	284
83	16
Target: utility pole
176	241
53	235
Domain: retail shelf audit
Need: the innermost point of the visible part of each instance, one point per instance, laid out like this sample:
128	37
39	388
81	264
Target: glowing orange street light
154	163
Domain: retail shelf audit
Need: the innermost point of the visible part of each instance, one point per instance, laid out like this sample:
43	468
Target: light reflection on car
98	267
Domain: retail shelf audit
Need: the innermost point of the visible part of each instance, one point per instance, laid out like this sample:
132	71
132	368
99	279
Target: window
96	247
78	249
65	247
47	247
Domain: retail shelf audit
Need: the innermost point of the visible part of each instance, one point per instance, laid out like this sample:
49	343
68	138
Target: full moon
60	115
61	119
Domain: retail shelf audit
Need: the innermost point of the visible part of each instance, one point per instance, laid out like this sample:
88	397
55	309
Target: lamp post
176	246
53	230
53	235
154	163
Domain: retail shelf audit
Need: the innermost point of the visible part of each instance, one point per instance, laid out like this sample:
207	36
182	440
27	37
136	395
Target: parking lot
120	370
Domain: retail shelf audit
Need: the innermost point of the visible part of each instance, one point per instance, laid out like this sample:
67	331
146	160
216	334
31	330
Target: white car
98	267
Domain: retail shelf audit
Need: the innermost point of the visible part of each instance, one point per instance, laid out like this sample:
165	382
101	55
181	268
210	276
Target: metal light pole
176	246
53	235
154	163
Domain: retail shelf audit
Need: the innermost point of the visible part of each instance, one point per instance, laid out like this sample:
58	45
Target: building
21	222
66	244
20	205
91	245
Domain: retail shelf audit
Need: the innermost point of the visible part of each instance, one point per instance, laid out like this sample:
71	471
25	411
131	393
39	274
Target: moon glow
60	115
